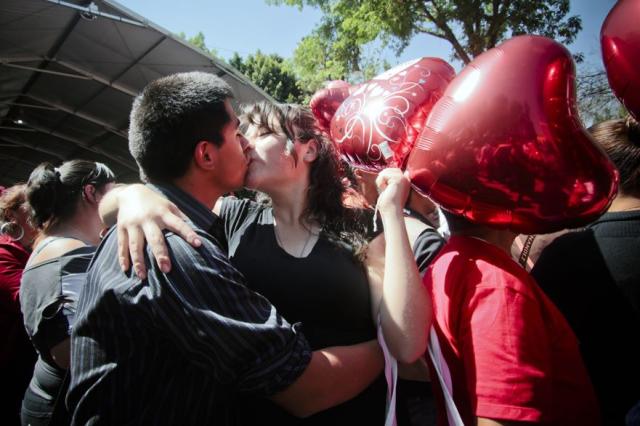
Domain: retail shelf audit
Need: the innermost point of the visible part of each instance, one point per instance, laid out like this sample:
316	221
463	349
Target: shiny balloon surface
620	40
325	102
505	147
377	125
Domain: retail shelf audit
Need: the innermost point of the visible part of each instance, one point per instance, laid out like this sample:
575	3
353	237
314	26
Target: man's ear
204	155
310	151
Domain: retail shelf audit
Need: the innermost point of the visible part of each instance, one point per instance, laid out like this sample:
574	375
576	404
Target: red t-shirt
510	352
13	258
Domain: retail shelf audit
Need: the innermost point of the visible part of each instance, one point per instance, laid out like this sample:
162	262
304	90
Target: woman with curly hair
305	251
301	250
16	353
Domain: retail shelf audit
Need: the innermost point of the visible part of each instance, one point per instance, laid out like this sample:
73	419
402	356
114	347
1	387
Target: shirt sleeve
505	352
372	220
234	333
426	248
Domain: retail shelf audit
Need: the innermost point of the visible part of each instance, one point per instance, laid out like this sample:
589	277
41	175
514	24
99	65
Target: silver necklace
304	247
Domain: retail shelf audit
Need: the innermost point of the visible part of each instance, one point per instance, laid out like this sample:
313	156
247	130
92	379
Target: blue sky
245	26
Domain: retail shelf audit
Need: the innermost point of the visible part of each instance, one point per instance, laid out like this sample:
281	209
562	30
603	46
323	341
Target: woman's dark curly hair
326	190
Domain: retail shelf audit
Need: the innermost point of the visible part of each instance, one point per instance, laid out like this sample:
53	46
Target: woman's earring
5	229
103	233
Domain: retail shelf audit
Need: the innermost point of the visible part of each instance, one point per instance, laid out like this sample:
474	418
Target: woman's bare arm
141	215
405	306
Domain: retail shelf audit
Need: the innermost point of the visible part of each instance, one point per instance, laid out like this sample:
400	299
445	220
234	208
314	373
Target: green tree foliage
198	41
271	73
318	59
336	48
470	26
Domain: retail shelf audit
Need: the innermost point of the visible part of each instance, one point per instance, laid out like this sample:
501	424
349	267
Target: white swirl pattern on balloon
385	109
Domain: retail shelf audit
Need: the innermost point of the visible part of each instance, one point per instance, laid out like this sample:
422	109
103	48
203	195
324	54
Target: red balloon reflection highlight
505	147
376	127
620	40
325	102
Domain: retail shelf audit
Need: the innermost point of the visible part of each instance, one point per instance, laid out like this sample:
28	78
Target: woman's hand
394	187
142	215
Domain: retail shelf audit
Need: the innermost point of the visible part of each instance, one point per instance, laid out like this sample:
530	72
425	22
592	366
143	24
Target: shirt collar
618	216
198	213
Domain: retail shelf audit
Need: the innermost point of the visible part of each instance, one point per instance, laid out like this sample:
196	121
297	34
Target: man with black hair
180	345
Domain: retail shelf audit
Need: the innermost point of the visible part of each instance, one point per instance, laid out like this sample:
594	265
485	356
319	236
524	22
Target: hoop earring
5	231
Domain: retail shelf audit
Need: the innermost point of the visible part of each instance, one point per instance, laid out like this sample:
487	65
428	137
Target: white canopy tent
68	73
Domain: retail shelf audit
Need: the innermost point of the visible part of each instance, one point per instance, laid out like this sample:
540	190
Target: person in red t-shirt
511	354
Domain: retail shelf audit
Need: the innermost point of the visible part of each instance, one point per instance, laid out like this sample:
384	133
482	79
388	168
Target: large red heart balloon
325	102
620	39
378	124
505	147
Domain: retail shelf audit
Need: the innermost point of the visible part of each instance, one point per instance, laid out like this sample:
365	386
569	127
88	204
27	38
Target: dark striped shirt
176	348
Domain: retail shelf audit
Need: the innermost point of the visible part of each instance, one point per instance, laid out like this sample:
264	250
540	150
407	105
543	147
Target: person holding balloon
375	126
415	404
506	352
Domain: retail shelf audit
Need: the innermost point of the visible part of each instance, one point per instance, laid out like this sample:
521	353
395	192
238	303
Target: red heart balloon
620	40
378	124
325	102
505	147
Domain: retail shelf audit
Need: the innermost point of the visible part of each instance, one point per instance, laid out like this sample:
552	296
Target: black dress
327	292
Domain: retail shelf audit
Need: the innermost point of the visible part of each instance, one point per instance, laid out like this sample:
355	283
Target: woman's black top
327	292
48	296
593	276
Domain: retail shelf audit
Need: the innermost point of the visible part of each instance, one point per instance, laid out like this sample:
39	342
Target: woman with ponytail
64	208
593	276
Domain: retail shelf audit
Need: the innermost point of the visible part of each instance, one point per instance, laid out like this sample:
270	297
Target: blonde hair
12	199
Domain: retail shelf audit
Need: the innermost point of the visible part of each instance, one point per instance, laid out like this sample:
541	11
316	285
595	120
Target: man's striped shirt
176	348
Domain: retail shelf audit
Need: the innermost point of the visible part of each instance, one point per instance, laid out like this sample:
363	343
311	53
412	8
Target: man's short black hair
168	119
